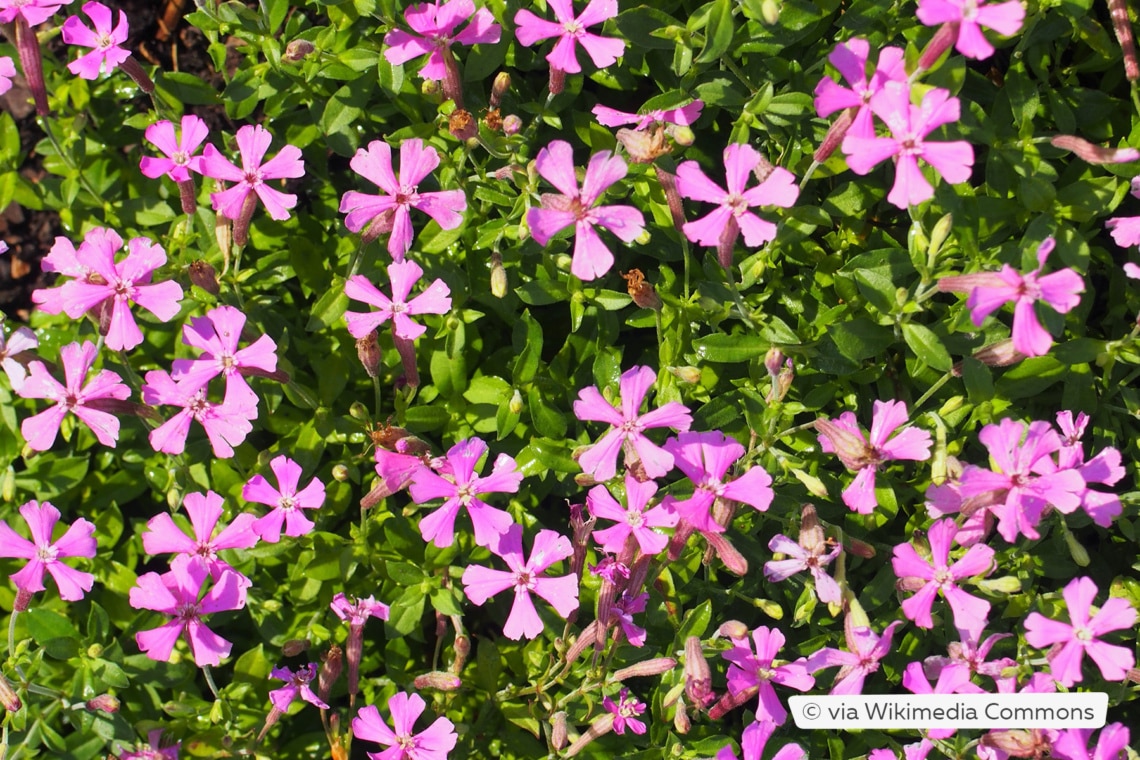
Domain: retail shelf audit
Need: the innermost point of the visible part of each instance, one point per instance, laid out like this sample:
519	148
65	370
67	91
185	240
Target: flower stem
210	681
932	390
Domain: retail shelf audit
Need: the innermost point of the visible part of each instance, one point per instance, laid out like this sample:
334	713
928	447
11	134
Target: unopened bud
1077	551
730	702
654	667
438	680
1094	154
585	480
687	374
330	671
858	548
357	410
698	675
1018	743
340	473
298	50
681	721
770	12
204	276
368	351
642	293
1133	675
668	184
8	697
1007	584
939	234
732	629
294	647
512	124
462	650
835	134
600	727
558	730
498	280
946	36
499	88
682	135
774	362
103	703
431	89
1000	354
462	125
557	80
732	559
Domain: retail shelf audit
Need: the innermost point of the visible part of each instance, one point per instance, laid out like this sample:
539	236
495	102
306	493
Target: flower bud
600	727
732	629
462	125
515	405
774	362
437	680
1094	154
340	473
462	650
431	89
498	280
499	88
946	36
687	374
682	135
681	721
557	81
1122	25
329	672
654	667
835	134
558	730
1000	354
512	124
730	702
298	50
770	12
939	234
668	184
732	559
642	293
858	548
698	675
103	703
294	647
8	697
368	351
204	276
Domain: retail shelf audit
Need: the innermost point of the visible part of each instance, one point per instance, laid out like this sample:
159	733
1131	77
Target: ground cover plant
549	379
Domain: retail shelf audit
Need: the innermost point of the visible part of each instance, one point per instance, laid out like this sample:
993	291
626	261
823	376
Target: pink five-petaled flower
1082	635
436	299
600	460
436	25
391	212
7	73
176	593
433	743
570	31
22	339
990	290
591	258
1104	468
88	402
152	749
226	424
625	712
633	520
1073	744
939	575
909	125
24	14
683	116
756	672
864	650
950	681
850	59
864	455
970	15
723	225
163	536
706	458
356	613
809	553
968	655
179	150
216	335
481	583
105	40
296	684
286	500
462	488
753	741
45	556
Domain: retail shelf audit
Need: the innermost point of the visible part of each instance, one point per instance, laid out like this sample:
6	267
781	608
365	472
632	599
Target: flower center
406	195
627	710
105	42
715	487
205	550
943	577
180	157
198	405
764	674
464	493
253	178
574	29
406	742
736	202
634	518
1083	634
186	612
524	579
287	503
71	400
399	308
46	554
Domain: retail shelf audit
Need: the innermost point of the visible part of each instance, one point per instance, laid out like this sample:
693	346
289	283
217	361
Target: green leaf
730	349
926	346
861	339
407	611
329	308
186	88
547	420
719	31
528	345
44	624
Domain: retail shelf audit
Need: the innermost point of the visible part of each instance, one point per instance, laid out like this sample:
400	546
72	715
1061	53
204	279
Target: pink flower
179	150
216	335
226	424
92	402
105	40
625	712
23	15
756	671
1104	468
356	613
462	488
481	583
600	460
436	299
286	500
909	125
683	116
969	656
723	225
633	520
1083	634
754	740
35	12
990	290
850	58
22	339
950	681
235	203
151	749
940	575
864	455
7	73
555	163
433	743
436	25
865	649
622	613
706	458
176	594
1126	232
44	555
570	31
970	15
810	553
296	684
163	536
391	212
1073	743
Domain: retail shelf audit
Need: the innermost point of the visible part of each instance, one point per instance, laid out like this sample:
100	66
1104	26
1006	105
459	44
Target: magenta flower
23	15
163	536
179	150
571	31
989	291
216	335
1073	743
950	681
555	163
632	520
864	455
462	488
93	402
7	73
356	613
433	743
481	583
939	575
105	40
850	59
909	125
756	672
600	460
1083	634
436	24
286	500
706	458
683	116
723	225
622	613
391	212
970	16
969	656
1125	231
436	299
753	741
44	555
21	340
34	12
1104	468
226	424
176	594
152	749
296	685
625	712
864	650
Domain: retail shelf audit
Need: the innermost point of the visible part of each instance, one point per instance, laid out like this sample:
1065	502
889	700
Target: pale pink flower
391	212
970	16
591	258
801	558
178	593
723	225
7	73
481	583
179	150
45	556
296	685
850	59
625	712
755	739
632	520
433	743
435	299
865	649
910	125
969	656
20	341
938	574
1111	744
286	500
706	458
756	671
1083	634
226	424
435	23
253	142
106	42
93	401
683	116
600	460
864	455
571	31
163	536
216	335
1125	231
356	613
